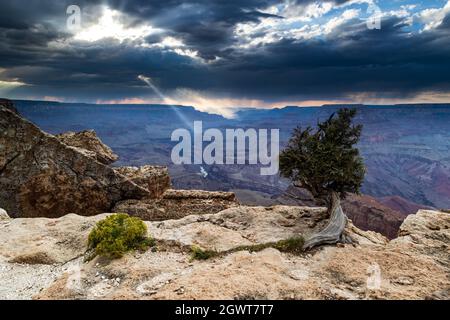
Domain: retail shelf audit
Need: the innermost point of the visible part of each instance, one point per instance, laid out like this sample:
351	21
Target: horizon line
237	107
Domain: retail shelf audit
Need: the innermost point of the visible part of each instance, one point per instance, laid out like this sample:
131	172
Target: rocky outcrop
42	177
176	204
239	226
8	104
89	144
3	214
155	179
427	232
46	176
413	266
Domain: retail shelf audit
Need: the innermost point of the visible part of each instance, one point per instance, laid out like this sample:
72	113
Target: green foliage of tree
118	234
324	160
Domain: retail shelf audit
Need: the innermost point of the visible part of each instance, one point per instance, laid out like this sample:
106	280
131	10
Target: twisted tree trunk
332	233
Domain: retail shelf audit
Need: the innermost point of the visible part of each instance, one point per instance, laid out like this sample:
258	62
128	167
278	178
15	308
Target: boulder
155	179
175	204
42	177
87	142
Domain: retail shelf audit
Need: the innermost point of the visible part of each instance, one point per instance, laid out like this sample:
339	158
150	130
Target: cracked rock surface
88	143
413	266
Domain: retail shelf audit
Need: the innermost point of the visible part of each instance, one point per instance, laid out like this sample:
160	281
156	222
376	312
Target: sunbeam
148	82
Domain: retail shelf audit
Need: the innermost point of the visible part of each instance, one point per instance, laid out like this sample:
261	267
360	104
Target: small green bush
118	234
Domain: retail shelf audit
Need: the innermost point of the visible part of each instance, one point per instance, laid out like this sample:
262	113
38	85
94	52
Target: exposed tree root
333	232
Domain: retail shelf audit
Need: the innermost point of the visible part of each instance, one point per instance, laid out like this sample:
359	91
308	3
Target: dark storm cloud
205	25
352	59
35	49
445	24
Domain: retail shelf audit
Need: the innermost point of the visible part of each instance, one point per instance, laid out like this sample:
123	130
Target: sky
224	54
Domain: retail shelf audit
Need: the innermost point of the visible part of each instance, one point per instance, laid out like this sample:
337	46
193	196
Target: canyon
406	148
55	188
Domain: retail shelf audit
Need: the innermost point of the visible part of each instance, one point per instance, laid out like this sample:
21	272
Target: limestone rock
413	266
87	142
155	179
45	241
424	222
427	233
404	272
365	237
175	204
42	177
3	214
238	226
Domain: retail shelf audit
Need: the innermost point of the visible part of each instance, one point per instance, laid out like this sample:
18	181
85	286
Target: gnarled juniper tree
326	162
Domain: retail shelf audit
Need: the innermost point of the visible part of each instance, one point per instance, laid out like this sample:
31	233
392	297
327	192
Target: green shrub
198	253
291	245
118	234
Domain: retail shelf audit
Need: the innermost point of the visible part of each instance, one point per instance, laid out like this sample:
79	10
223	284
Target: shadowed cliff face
367	213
